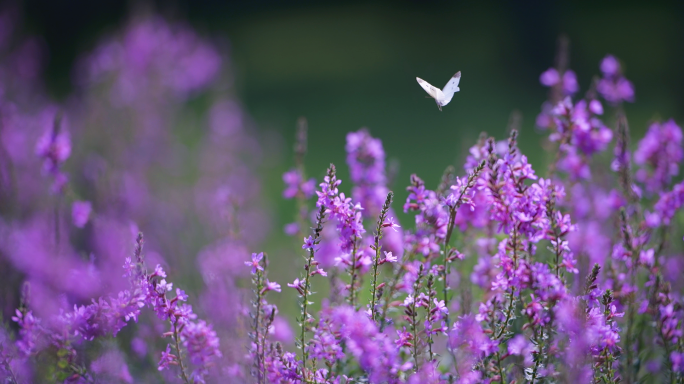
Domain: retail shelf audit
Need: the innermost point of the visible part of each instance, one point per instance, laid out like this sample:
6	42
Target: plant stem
259	287
176	338
509	310
378	247
501	372
392	289
447	264
413	314
352	273
453	210
428	309
307	286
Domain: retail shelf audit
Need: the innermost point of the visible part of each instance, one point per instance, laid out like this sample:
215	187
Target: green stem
414	326
392	289
305	313
176	338
447	265
501	371
509	310
415	334
450	228
428	330
378	247
352	284
307	287
260	373
539	341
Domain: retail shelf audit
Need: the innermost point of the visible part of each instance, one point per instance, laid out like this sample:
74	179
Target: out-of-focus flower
659	154
272	286
551	77
80	213
614	87
256	262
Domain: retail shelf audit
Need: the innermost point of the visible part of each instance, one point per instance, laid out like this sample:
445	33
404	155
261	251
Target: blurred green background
347	65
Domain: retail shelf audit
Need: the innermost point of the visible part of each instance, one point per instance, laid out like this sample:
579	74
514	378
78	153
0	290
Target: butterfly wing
433	91
452	85
450	88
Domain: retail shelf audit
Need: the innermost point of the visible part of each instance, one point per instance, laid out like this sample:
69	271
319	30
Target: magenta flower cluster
499	272
567	279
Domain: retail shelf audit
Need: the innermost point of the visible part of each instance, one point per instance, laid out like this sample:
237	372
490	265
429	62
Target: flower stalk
377	248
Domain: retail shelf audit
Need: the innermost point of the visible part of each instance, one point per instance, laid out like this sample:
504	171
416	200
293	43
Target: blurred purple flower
80	213
610	66
271	286
659	153
112	365
256	262
613	86
550	77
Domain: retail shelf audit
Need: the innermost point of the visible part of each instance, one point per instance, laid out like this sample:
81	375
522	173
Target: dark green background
348	65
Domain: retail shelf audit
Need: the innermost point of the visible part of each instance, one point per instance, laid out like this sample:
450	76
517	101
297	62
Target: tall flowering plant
568	282
499	273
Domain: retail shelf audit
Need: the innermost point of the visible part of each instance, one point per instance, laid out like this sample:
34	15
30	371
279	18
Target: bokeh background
351	64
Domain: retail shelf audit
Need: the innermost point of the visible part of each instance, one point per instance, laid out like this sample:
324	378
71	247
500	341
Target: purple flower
647	258
158	272
366	161
659	153
281	330
291	229
550	77
54	148
256	262
667	205
112	364
139	347
295	185
365	157
341	208
677	359
298	285
570	85
202	345
180	295
439	306
319	271
80	213
403	338
613	86
389	258
308	243
467	335
521	346
595	107
375	351
610	66
30	332
391	224
167	358
272	286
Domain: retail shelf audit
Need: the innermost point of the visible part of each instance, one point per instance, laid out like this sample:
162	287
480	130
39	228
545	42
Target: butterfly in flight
442	96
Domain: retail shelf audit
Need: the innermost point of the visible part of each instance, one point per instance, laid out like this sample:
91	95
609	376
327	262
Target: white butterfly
442	96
